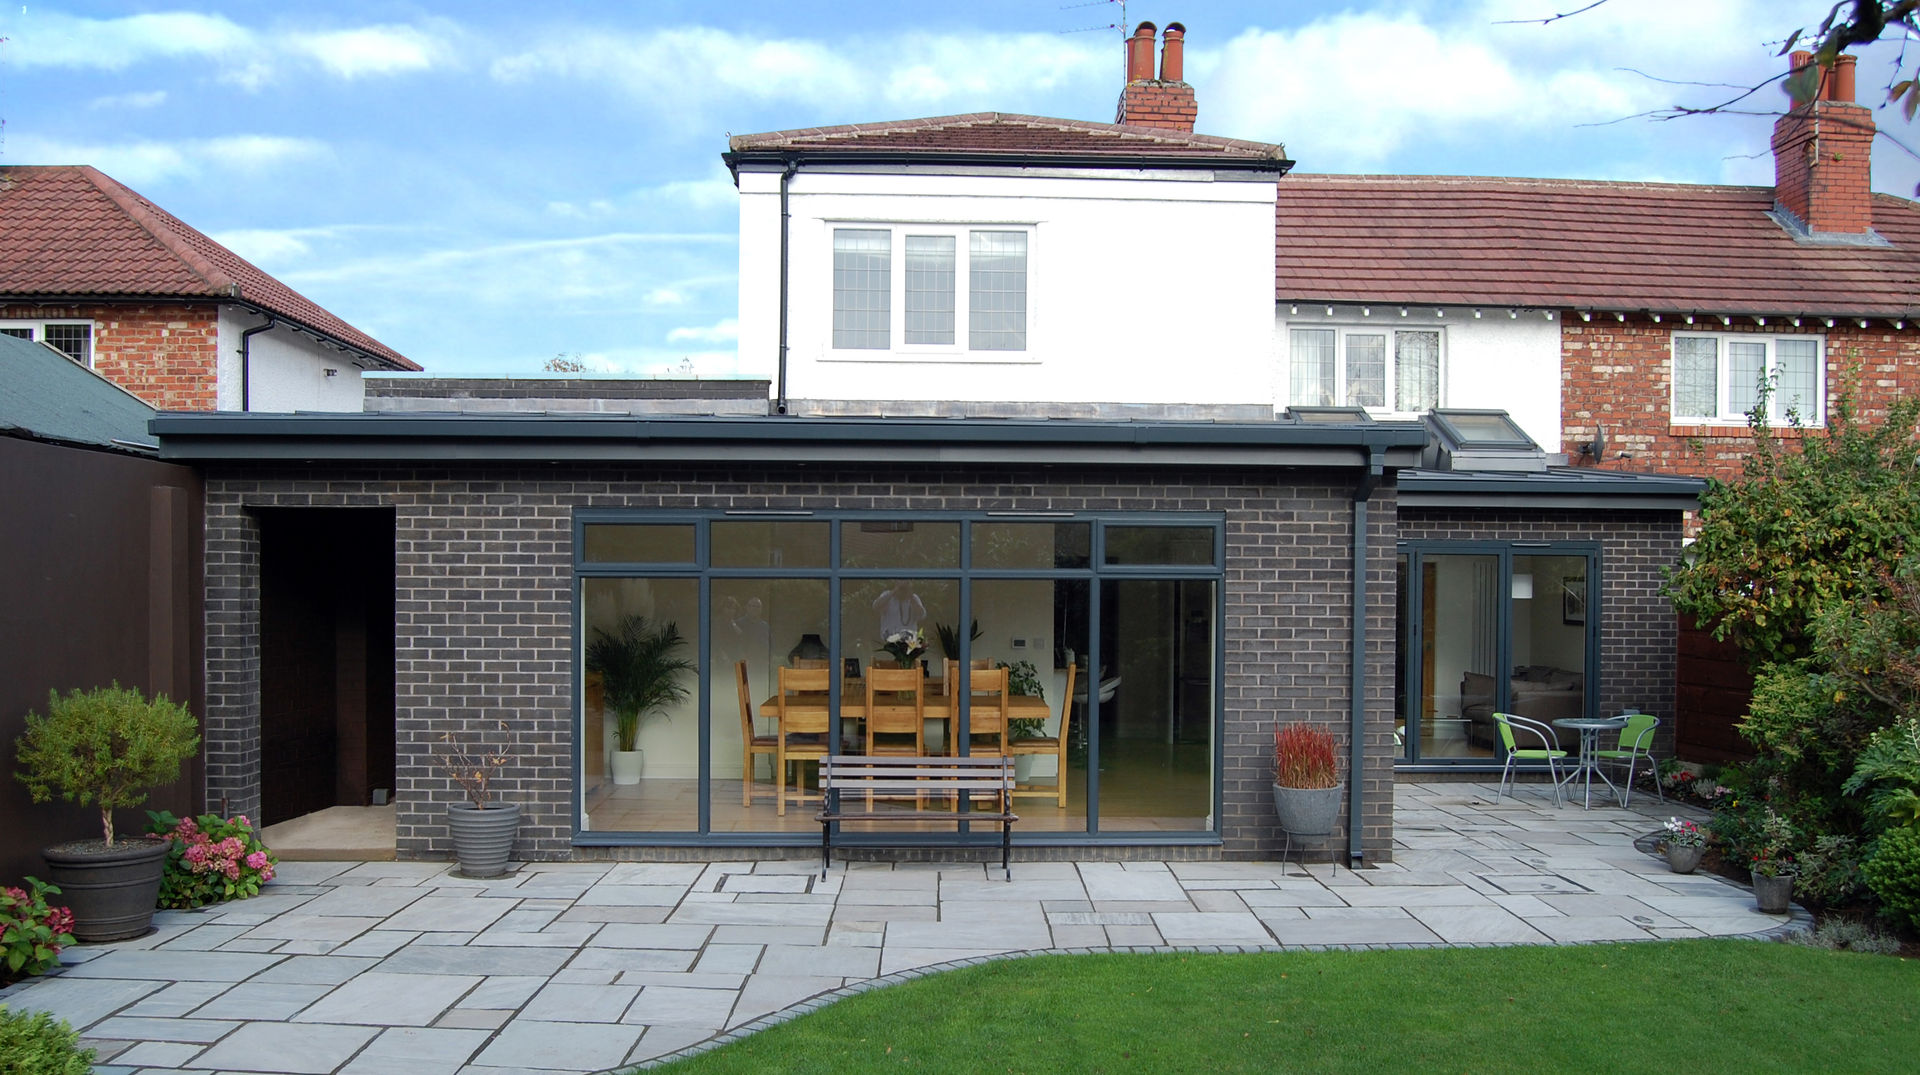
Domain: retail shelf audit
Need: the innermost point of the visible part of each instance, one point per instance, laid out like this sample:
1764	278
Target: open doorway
326	659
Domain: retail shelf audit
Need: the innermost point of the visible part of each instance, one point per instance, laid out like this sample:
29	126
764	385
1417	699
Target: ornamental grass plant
1303	757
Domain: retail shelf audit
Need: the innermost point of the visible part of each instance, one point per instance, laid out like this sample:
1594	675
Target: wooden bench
849	783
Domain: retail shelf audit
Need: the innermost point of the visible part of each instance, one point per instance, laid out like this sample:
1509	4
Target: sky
486	186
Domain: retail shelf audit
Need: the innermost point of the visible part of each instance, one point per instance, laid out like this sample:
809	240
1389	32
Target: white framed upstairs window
1719	377
1379	369
71	338
899	288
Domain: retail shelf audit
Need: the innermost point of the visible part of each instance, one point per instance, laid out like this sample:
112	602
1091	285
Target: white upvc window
1380	369
71	338
1721	376
898	288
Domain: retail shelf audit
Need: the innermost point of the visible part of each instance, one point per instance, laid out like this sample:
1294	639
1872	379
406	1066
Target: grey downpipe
246	362
780	400
1357	715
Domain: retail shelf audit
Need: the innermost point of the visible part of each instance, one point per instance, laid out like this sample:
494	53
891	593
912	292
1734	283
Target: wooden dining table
941	707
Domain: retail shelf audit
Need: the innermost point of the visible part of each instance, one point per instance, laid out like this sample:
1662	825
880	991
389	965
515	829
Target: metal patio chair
1548	751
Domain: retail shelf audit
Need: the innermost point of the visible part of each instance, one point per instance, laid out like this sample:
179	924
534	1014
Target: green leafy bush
1843	934
39	1044
105	747
1889	771
1892	874
31	932
211	859
1828	871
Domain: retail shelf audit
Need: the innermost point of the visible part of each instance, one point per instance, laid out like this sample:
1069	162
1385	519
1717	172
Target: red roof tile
1580	244
73	231
1010	134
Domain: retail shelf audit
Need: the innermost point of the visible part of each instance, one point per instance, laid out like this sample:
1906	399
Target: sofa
1538	691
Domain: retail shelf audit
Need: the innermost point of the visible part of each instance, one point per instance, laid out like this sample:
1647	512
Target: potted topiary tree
1306	780
106	747
639	676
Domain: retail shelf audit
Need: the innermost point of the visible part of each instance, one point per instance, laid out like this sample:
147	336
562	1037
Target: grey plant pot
112	893
1307	811
1772	893
1684	859
483	839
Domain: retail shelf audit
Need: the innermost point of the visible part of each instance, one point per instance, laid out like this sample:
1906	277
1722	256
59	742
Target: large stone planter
1307	811
483	839
1772	893
112	893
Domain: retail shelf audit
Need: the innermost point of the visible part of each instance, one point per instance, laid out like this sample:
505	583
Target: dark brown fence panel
1713	692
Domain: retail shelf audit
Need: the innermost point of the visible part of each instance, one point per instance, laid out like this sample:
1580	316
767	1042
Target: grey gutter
246	361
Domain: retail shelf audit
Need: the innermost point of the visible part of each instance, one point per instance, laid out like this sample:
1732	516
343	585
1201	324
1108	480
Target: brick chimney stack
1166	102
1822	154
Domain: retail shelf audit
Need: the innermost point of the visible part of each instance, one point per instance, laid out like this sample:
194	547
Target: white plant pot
626	766
1023	767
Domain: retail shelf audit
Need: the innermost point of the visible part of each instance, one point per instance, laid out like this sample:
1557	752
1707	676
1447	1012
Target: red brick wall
165	354
1169	106
1619	375
1821	155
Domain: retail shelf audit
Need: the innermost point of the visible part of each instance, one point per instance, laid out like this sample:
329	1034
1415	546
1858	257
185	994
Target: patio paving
362	968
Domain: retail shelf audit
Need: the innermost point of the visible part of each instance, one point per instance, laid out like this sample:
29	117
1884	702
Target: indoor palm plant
639	676
106	747
1306	780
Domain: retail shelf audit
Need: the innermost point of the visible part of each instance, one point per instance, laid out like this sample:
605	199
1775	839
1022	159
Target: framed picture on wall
1573	602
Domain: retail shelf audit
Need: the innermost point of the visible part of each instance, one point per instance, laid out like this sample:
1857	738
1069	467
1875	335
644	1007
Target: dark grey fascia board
1625	492
772	160
231	436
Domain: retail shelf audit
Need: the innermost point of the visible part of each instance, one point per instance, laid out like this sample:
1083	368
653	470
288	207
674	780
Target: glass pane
997	295
18	332
1311	367
1459	656
1796	364
930	279
1416	366
1403	645
1032	545
769	544
1366	370
649	543
1154	724
900	543
1746	374
760	625
74	341
1164	545
862	288
1040	628
641	764
1696	371
1549	680
892	625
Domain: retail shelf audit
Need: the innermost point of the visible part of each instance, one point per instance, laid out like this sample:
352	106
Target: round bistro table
1588	765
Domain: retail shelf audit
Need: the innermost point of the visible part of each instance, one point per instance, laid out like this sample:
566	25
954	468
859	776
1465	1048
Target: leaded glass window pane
1416	367
1312	367
1746	373
997	291
1796	364
1366	370
862	288
1696	369
930	280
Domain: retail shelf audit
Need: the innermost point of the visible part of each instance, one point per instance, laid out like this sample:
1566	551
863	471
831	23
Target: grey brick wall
483	609
1638	629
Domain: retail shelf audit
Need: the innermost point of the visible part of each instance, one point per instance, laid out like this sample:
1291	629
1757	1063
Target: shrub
1842	934
106	747
211	859
1829	871
1892	874
31	933
1303	757
39	1044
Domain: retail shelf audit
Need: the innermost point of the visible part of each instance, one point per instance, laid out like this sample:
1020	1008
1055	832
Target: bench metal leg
826	848
1006	850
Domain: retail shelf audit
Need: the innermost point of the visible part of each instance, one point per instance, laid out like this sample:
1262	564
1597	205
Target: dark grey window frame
704	574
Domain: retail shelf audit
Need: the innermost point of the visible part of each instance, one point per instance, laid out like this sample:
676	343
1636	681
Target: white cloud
56	40
665	296
372	50
728	329
272	245
553	261
256	152
150	99
146	162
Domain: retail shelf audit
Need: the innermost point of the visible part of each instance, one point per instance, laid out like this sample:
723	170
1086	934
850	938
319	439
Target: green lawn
1677	1008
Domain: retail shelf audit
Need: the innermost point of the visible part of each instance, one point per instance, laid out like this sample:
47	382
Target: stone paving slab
401	967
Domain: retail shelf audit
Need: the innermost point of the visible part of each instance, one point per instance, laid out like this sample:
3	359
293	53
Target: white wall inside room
1146	290
1541	635
288	371
1492	362
670	739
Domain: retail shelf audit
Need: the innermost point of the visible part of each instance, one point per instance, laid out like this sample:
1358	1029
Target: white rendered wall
1155	289
1494	361
288	370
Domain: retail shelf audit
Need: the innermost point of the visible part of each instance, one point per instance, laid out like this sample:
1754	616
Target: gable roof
72	232
1569	244
1007	135
53	398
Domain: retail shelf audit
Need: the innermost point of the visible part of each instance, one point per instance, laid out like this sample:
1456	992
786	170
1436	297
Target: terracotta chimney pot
1173	53
1140	53
1840	80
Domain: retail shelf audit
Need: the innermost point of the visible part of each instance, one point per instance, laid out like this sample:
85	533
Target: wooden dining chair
803	731
987	715
751	743
1055	745
896	725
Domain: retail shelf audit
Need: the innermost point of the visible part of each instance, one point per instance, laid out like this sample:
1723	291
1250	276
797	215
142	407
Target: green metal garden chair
1636	742
1548	751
